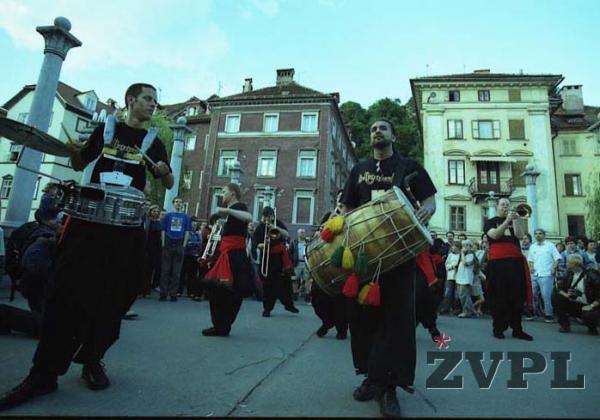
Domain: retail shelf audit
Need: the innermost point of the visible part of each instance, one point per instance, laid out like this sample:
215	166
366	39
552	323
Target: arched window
7	181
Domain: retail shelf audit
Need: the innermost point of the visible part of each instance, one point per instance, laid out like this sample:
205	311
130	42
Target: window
456	172
271	123
267	163
90	103
7	181
187	179
516	129
517	168
15	149
190	143
333	168
227	157
483	95
573	185
186	206
206	142
307	164
569	147
260	202
192	111
455	129
304	202
232	123
457	218
37	188
486	129
454	96
217	200
576	225
514	95
309	121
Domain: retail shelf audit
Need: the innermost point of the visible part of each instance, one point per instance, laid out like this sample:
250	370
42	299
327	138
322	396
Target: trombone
271	233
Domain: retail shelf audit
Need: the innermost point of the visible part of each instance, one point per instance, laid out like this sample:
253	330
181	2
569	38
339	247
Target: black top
123	143
493	223
372	175
259	233
234	226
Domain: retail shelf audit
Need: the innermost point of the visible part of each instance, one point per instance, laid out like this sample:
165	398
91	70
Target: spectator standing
176	227
452	262
571	248
464	278
297	252
153	250
543	261
592	253
190	268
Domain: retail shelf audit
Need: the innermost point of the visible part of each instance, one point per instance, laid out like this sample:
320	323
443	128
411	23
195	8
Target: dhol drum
105	204
386	228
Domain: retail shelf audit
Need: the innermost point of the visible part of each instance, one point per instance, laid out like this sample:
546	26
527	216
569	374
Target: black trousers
21	320
96	277
565	307
224	307
330	309
426	302
506	293
277	286
189	275
383	338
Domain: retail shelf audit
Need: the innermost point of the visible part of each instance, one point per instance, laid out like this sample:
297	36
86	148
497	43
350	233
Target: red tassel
373	298
327	235
350	289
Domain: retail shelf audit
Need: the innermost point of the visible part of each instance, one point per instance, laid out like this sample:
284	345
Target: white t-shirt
543	257
301	250
451	261
464	274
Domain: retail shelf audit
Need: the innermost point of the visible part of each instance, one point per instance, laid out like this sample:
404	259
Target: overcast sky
364	49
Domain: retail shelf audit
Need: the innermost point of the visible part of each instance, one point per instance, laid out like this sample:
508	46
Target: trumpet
523	210
212	243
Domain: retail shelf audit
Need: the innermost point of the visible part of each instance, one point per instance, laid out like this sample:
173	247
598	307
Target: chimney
336	96
572	98
285	76
247	85
482	71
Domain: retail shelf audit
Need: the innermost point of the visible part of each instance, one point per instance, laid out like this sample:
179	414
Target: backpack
18	242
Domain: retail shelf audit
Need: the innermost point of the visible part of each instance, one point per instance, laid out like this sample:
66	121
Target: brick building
287	137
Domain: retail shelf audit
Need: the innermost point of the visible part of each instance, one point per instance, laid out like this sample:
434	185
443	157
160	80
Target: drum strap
109	135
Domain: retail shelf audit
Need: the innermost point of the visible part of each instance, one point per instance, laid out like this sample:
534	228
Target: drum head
404	200
31	137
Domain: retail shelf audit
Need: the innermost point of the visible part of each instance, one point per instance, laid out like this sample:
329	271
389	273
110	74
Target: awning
492	159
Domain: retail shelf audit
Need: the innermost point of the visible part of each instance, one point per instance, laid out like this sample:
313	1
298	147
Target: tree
593	206
356	120
160	121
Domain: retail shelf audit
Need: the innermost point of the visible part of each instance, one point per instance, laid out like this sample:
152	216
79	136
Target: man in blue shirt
176	227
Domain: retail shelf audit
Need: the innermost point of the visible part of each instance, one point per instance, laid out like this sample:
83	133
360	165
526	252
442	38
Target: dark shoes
33	386
266	314
292	309
95	377
213	332
564	329
163	298
388	403
435	333
499	334
522	335
173	298
322	331
130	315
341	335
366	391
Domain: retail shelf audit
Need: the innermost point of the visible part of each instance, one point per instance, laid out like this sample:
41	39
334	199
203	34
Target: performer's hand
161	169
260	246
434	283
512	216
424	214
222	211
587	308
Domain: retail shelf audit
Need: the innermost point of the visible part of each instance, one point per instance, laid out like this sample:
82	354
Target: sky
363	49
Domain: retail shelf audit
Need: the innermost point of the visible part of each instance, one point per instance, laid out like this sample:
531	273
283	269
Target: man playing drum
99	267
383	337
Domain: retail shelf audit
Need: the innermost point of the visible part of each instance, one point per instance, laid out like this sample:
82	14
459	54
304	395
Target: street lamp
235	172
492	200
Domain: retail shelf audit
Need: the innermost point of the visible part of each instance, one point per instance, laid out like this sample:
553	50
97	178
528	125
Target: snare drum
104	204
388	230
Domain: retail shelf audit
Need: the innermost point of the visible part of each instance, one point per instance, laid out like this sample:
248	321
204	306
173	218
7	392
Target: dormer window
90	104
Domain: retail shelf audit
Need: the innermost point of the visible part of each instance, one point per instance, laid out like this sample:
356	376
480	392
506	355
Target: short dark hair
177	198
449	232
235	189
570	239
540	230
386	121
528	237
268	211
135	90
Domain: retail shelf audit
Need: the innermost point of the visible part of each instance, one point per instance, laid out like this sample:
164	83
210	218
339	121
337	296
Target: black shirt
122	146
259	233
493	223
372	175
234	226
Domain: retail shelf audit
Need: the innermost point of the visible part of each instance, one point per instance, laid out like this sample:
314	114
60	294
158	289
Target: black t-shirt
493	223
372	175
259	233
234	226
122	146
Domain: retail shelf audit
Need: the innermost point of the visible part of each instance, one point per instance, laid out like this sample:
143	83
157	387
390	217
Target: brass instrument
271	234
523	210
212	243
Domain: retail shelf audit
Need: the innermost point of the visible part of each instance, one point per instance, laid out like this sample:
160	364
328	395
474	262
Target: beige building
71	115
480	131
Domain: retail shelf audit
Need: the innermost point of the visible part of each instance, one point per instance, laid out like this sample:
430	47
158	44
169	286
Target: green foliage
160	121
593	209
357	120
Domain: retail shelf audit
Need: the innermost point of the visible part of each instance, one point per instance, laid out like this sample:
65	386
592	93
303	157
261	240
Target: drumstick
145	155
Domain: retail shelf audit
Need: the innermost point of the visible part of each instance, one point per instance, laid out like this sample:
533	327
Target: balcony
502	189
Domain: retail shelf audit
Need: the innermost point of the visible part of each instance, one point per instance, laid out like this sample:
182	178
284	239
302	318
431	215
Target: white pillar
179	130
531	175
434	135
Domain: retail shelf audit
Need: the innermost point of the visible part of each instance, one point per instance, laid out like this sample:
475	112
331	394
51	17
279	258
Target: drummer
99	267
383	337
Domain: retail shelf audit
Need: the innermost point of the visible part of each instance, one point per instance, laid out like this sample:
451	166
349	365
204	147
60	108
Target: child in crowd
452	262
464	278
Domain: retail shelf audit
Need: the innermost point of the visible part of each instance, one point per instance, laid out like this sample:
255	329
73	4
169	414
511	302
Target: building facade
480	131
72	113
289	140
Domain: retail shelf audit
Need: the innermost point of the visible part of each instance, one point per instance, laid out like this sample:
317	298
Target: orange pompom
350	289
327	235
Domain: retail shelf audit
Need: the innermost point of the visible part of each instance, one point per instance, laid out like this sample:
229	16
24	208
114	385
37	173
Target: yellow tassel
364	291
347	259
336	225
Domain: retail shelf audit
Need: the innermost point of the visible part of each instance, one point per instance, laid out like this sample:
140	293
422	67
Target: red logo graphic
442	340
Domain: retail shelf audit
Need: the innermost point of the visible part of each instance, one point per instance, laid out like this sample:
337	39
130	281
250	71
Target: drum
105	204
386	228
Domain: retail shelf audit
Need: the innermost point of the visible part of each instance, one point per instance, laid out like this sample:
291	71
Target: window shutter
516	129
475	129
568	184
451	131
514	95
496	129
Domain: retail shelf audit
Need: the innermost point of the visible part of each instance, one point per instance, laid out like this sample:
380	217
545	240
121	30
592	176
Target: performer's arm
498	232
242	215
426	210
519	228
186	237
162	171
162	238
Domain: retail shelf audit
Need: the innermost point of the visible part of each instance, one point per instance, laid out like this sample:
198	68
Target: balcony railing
503	189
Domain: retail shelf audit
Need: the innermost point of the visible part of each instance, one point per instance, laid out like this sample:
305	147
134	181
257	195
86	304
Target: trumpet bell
523	210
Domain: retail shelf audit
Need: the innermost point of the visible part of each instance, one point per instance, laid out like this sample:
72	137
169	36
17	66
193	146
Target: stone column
492	201
58	41
531	175
179	131
434	135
